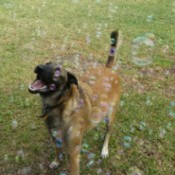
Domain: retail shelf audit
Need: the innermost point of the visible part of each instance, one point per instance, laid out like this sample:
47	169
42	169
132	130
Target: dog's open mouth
38	86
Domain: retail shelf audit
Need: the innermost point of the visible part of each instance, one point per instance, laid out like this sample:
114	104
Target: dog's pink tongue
38	84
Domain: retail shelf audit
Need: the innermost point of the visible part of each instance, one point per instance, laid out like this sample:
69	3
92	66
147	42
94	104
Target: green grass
34	32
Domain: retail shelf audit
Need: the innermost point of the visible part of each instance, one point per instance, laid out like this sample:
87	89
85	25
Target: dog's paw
105	152
54	164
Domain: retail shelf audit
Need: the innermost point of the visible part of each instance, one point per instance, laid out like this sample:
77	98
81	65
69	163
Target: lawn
75	33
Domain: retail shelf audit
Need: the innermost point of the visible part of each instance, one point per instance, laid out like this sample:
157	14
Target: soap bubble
127	141
26	171
134	171
91	155
99	171
171	112
63	173
98	1
6	157
11	99
142	49
7	5
162	132
14	124
88	40
149	18
132	129
75	1
19	156
173	5
98	34
85	148
165	48
148	102
142	126
169	126
40	32
90	163
33	126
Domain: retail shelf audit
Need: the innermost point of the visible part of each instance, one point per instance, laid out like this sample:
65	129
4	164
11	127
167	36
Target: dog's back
102	84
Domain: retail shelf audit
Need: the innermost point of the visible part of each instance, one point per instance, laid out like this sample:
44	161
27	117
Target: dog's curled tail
113	48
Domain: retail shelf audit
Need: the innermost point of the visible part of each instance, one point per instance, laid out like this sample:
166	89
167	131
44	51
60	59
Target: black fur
71	79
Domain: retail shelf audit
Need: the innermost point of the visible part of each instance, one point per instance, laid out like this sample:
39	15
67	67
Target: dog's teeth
31	88
54	164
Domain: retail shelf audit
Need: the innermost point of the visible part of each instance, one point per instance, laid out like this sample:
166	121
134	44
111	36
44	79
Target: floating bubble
173	6
169	126
20	155
150	132
99	161
142	126
85	148
98	34
106	119
171	112
63	173
40	32
91	155
127	142
149	18
33	126
162	132
6	157
14	124
148	102
26	171
96	136
11	99
134	171
99	171
41	167
98	1
63	47
142	49
122	103
75	1
58	142
165	48
132	129
8	5
90	163
88	40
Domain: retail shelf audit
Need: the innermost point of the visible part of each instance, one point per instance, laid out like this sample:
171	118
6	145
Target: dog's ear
71	79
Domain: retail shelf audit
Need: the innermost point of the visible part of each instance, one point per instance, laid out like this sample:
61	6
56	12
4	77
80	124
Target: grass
34	32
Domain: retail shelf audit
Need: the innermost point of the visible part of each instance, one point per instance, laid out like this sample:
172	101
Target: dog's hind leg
110	121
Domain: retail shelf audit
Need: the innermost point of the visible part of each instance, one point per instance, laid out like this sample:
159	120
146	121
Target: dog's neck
57	99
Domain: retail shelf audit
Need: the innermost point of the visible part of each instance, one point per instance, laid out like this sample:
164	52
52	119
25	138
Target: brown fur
80	108
84	108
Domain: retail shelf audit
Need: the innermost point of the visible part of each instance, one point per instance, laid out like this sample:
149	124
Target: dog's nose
39	68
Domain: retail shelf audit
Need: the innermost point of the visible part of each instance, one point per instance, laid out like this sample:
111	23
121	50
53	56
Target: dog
71	106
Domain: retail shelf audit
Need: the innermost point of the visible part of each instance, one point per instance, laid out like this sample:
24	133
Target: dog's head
51	78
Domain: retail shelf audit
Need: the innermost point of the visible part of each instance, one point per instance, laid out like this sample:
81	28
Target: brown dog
71	107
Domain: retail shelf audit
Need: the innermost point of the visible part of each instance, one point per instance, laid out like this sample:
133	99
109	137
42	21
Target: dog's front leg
74	151
57	138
